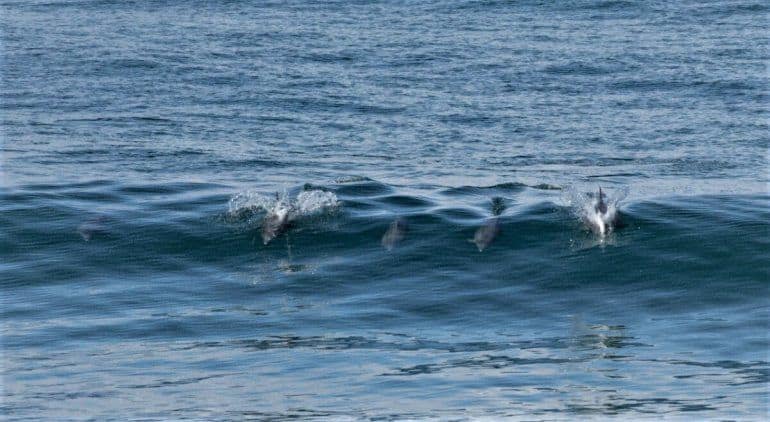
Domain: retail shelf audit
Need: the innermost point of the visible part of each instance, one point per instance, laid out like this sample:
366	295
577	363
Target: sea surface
143	143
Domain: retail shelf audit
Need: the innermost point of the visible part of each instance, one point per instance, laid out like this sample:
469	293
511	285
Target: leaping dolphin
601	218
275	222
601	206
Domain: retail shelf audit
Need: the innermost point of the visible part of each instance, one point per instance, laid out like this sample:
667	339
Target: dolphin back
601	206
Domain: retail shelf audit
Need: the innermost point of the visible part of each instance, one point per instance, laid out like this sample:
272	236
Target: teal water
143	144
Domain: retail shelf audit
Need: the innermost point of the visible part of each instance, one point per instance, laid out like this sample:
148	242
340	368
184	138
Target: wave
76	230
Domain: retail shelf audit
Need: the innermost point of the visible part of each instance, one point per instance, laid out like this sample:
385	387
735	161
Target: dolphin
92	227
601	206
275	222
395	234
486	234
601	218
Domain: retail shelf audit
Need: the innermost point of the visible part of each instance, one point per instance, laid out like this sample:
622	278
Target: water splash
313	201
249	202
307	202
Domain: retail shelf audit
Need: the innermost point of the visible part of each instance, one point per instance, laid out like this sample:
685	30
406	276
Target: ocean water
144	143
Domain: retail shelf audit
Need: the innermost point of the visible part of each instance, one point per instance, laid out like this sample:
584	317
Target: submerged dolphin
395	234
92	227
275	222
486	234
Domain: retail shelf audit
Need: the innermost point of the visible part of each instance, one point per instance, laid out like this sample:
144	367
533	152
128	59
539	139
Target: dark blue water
144	142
